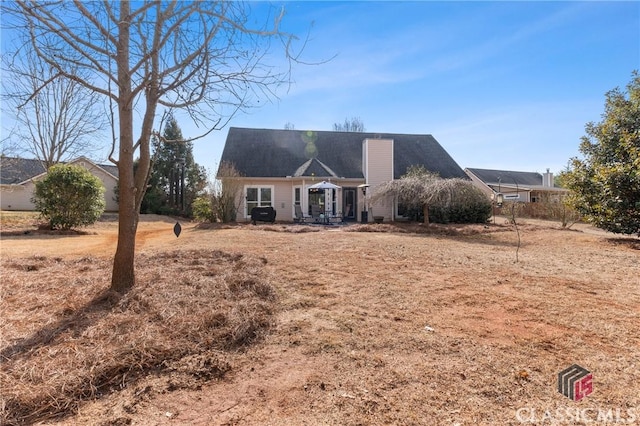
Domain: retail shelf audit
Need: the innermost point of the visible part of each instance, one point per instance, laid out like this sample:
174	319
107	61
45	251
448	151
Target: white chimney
547	179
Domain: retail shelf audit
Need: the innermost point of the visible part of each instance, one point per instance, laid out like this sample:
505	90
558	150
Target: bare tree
53	123
201	57
413	191
355	124
227	192
452	200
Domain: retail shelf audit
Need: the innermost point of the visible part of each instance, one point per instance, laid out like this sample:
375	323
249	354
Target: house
516	186
280	166
18	176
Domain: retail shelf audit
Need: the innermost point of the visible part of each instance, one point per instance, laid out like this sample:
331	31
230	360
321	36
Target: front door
349	203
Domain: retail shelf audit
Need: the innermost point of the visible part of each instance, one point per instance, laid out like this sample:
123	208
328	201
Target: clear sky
505	85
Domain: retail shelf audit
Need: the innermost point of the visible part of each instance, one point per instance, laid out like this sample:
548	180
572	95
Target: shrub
69	196
468	213
457	201
202	210
223	198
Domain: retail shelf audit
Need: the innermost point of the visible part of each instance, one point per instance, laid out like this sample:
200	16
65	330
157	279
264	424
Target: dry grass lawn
303	325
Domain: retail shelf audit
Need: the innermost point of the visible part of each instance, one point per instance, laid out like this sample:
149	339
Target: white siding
17	197
109	182
282	196
378	168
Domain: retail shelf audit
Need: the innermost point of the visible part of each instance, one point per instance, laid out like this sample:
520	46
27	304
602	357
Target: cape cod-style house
279	167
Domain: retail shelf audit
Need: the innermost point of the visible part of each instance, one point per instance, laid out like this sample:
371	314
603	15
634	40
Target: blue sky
506	85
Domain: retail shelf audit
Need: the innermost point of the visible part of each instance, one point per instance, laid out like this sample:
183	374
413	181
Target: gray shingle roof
507	177
110	168
18	170
281	153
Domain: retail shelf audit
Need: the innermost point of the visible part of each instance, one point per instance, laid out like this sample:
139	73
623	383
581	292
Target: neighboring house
279	166
517	186
18	176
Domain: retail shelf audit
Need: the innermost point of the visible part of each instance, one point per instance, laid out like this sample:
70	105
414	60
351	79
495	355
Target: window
258	196
297	196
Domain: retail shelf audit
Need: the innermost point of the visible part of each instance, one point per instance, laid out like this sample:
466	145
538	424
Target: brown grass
67	339
413	325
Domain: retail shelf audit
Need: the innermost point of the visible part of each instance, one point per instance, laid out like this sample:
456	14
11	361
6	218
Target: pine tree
175	179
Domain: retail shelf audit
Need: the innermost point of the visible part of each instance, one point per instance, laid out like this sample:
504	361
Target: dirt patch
397	327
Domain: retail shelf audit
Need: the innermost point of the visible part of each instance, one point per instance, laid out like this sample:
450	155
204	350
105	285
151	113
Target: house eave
83	158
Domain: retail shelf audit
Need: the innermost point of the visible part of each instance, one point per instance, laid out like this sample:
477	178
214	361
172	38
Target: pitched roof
110	168
281	153
507	177
17	170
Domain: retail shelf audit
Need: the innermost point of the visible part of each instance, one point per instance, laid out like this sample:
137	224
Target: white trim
247	214
293	198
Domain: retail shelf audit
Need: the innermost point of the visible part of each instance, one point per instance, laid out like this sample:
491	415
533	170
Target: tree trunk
182	209
123	275
425	212
172	200
133	184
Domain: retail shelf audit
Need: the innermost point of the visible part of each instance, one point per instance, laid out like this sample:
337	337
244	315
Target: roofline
290	178
510	186
83	158
80	158
31	179
11	185
498	170
371	135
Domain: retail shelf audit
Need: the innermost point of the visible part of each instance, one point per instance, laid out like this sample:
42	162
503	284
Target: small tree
228	194
223	199
605	185
439	200
69	196
408	191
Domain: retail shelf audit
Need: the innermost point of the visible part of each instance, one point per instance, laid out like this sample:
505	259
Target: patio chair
315	213
299	217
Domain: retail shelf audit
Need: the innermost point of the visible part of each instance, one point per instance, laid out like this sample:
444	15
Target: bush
467	213
547	209
202	210
69	196
457	201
